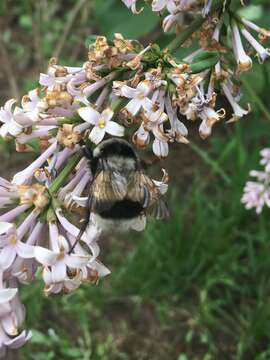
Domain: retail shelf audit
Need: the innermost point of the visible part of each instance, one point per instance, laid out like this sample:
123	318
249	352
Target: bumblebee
120	193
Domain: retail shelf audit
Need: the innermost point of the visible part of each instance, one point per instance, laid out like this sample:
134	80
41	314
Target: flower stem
179	40
57	183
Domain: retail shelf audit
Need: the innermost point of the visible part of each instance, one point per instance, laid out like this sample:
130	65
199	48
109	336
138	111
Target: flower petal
59	271
47	276
9	104
89	115
7	256
19	340
144	87
24	250
128	92
14	128
107	114
46	80
97	134
91	234
134	106
5	227
7	294
70	228
9	324
114	129
44	256
160	148
76	261
99	267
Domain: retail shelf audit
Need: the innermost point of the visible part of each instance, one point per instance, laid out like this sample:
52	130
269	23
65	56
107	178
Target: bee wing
142	189
107	187
159	210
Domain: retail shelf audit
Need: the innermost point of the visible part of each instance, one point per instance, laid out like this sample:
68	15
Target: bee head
114	155
114	148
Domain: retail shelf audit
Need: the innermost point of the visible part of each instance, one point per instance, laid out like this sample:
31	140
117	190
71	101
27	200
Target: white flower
265	154
172	20
12	246
209	117
257	193
26	175
102	123
8	193
58	75
139	96
59	260
162	185
255	196
160	148
178	130
238	111
12	314
243	60
9	119
153	123
261	51
131	4
32	105
7	294
159	5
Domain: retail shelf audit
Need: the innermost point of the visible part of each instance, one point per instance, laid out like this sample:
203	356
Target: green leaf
251	12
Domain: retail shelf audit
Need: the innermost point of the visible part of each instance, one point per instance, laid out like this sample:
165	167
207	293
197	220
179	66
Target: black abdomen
124	209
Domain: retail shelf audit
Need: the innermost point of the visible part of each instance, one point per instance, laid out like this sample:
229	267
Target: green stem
57	183
179	40
202	65
256	99
214	165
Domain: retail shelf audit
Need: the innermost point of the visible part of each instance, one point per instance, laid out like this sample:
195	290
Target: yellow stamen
101	123
141	95
13	240
61	255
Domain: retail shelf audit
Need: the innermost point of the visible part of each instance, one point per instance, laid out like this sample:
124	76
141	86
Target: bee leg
82	230
78	238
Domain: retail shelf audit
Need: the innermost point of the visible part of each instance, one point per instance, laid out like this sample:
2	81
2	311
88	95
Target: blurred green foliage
196	287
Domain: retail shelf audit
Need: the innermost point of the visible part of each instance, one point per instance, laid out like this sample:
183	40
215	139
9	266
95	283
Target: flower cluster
124	89
257	193
174	10
12	315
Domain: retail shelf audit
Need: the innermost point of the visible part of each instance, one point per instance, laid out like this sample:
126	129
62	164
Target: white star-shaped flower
139	97
9	118
102	123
